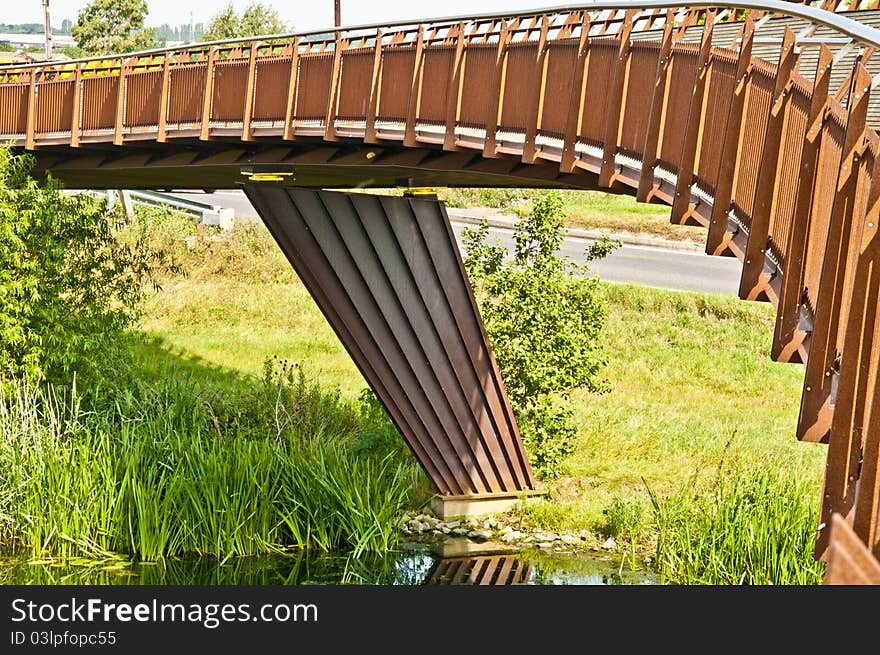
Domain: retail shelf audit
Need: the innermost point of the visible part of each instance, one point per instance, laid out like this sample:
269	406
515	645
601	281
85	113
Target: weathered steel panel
387	274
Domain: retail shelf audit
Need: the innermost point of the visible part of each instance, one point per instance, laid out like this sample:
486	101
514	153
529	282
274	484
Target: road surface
650	266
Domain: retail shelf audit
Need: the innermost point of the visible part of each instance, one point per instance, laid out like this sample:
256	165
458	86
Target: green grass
593	210
174	467
698	423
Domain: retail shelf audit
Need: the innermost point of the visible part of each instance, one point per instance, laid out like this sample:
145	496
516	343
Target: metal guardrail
209	214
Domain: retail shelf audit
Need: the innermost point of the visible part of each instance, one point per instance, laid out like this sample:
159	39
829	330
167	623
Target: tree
113	26
256	19
68	286
545	326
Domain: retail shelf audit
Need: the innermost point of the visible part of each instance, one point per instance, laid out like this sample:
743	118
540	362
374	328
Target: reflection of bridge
766	142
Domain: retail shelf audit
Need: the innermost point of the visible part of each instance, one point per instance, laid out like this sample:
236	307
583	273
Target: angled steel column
387	274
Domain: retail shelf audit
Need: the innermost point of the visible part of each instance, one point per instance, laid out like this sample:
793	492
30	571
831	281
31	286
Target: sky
304	15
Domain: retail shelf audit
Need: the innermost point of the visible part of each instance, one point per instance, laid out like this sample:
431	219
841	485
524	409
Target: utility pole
337	12
47	27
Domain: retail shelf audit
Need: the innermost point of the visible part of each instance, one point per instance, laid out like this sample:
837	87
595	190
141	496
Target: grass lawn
691	380
697	428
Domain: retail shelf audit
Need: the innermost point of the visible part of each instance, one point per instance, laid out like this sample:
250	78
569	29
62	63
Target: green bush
544	325
68	287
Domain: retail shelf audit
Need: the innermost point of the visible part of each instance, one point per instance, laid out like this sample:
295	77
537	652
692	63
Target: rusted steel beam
682	208
658	108
787	336
387	274
849	561
833	294
858	367
615	103
717	236
754	279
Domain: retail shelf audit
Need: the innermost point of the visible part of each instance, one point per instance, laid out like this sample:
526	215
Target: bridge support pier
387	275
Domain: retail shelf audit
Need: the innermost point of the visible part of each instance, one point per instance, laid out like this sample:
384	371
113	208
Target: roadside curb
456	216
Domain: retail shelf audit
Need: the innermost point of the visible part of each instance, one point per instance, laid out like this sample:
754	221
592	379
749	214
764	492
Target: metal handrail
859	32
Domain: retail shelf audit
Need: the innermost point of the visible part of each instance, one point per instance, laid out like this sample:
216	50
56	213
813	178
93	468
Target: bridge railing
761	141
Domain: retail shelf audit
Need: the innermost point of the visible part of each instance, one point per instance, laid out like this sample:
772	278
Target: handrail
859	32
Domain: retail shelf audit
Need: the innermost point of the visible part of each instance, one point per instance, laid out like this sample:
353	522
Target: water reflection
415	564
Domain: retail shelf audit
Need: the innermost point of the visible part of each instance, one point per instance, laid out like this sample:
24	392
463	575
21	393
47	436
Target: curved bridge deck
754	124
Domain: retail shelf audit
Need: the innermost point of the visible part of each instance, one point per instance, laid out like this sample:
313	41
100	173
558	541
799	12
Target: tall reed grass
755	525
164	471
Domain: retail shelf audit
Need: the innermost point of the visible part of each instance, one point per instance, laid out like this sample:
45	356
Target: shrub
68	287
545	326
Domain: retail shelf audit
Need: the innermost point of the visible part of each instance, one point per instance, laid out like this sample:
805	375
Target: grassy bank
698	417
174	466
689	461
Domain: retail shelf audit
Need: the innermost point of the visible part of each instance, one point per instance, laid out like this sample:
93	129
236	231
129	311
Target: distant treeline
35	28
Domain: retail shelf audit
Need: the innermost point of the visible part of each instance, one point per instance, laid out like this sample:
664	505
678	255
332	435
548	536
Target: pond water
453	562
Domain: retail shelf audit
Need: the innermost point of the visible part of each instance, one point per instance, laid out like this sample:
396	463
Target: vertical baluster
681	204
616	100
375	87
289	132
246	129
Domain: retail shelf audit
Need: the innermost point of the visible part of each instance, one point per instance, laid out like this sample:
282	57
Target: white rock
609	544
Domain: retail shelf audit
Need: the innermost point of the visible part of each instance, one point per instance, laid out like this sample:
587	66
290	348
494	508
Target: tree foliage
255	20
67	285
113	26
545	326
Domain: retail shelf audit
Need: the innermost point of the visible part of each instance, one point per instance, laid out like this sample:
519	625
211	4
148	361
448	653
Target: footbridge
755	120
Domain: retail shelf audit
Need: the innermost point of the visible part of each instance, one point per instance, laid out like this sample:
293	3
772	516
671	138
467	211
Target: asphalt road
650	266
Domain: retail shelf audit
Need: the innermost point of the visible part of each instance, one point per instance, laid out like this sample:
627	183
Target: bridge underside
199	165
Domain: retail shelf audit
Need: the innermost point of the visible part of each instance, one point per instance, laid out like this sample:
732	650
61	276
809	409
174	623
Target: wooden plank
858	367
410	139
717	236
77	101
161	128
753	279
120	104
681	204
289	132
832	295
536	96
248	113
30	140
453	95
375	86
576	100
658	108
496	97
207	100
787	338
616	101
849	561
333	99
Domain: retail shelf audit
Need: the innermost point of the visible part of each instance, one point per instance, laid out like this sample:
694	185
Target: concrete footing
457	507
